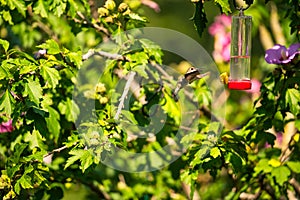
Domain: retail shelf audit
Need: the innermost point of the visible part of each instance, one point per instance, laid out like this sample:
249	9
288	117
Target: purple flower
281	55
6	127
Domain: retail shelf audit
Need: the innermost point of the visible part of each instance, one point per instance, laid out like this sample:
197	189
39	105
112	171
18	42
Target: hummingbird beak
203	75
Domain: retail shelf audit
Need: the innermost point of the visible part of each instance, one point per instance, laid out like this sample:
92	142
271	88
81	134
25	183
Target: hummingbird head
193	74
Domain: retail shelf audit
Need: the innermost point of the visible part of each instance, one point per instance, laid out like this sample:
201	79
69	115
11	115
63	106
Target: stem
55	151
112	56
124	94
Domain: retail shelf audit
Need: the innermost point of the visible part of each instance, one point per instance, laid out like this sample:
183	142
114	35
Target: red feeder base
239	85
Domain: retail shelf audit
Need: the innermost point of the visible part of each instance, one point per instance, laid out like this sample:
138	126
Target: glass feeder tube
240	52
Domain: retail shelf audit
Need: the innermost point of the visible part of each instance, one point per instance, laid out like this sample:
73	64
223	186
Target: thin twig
134	87
87	21
55	151
112	56
124	95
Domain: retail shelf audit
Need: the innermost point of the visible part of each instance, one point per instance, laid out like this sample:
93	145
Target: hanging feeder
240	52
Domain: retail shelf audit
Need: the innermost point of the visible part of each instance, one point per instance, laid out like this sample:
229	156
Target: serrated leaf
20	5
4	44
33	90
18	150
76	58
35	139
40	9
25	181
281	174
50	75
7	17
225	6
58	7
51	46
7	103
294	166
70	109
73	7
135	16
76	155
199	18
86	160
292	98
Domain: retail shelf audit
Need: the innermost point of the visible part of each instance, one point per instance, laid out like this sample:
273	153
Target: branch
55	150
112	56
161	70
124	95
248	196
295	184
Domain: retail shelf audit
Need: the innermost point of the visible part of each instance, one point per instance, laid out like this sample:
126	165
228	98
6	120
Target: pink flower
255	88
220	29
222	24
151	4
6	127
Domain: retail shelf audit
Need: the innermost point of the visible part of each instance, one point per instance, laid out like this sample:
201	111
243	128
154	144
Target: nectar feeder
240	52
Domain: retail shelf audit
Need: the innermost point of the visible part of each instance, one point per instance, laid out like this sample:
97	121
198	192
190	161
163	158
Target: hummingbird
190	76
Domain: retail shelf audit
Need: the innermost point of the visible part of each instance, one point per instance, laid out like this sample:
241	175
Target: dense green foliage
53	148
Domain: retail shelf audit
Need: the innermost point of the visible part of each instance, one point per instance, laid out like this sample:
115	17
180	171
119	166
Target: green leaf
294	166
33	90
281	174
85	157
4	44
24	182
86	160
236	162
141	70
4	71
18	150
200	155
263	166
292	98
215	152
58	7
7	103
73	8
40	9
224	5
20	5
76	58
199	18
77	154
35	139
135	16
129	116
53	122
51	46
7	17
70	109
50	75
